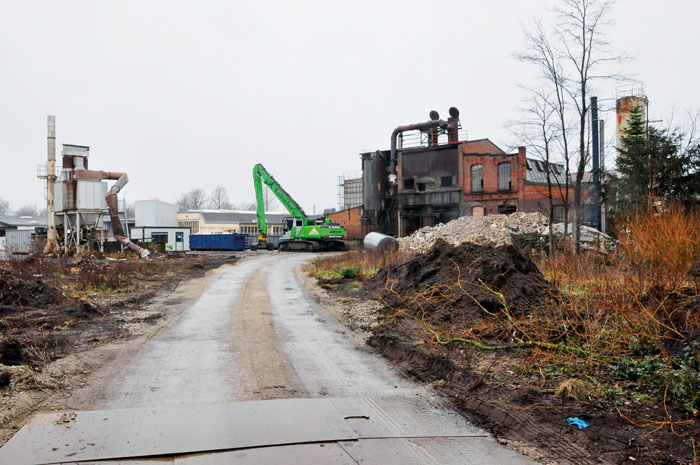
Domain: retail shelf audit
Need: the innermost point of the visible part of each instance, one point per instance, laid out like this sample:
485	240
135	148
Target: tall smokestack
51	244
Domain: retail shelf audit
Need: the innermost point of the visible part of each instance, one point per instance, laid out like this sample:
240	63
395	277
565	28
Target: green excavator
301	233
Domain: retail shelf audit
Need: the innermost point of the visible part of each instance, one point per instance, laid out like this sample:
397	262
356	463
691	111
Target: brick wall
351	220
526	197
491	197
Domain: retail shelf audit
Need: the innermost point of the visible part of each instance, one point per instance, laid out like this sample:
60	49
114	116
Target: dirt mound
27	293
37	319
463	281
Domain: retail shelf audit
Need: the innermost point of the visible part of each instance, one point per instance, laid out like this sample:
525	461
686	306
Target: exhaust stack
51	244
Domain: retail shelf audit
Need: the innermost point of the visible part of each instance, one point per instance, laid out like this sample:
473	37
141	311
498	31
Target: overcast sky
192	94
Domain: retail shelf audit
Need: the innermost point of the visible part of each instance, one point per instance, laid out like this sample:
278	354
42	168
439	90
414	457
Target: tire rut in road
266	370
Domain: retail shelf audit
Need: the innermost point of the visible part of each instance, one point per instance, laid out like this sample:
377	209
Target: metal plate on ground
300	454
174	430
432	451
400	417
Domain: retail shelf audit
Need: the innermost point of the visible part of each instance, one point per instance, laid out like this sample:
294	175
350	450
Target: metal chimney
453	129
51	244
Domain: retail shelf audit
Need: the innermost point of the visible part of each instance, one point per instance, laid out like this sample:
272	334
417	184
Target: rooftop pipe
435	122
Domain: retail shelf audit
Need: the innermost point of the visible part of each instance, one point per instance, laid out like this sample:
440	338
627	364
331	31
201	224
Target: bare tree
27	210
539	129
541	52
247	206
581	29
570	58
196	199
4	206
219	198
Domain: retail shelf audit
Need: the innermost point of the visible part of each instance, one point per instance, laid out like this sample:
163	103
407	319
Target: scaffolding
350	190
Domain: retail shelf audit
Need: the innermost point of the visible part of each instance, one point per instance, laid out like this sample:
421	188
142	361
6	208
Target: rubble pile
491	230
462	282
591	238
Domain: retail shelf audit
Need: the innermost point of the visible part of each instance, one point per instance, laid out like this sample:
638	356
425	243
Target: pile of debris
591	238
463	284
491	230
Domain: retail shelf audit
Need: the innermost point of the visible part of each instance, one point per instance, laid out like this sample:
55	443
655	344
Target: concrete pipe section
254	371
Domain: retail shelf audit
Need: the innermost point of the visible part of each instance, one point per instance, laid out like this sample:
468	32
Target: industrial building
18	234
156	221
78	201
444	177
227	221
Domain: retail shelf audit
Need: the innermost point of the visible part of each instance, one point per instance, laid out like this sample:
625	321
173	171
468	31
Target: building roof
15	221
481	146
536	172
588	176
238	216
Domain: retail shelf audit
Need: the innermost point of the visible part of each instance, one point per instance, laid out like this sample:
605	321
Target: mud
46	378
455	289
465	282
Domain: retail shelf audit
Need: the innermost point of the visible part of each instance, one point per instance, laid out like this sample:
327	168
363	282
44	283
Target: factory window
408	184
559	213
446	181
159	237
477	178
193	225
504	176
422	186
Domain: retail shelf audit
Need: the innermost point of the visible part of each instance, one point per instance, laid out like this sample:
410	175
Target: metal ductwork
113	208
437	123
433	126
113	205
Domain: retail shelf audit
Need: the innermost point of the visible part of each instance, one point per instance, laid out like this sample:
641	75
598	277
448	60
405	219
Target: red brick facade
523	195
351	220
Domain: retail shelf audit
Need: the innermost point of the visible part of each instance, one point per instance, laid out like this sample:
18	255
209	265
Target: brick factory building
351	220
443	178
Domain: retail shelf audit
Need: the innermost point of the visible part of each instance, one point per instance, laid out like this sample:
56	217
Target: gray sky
193	94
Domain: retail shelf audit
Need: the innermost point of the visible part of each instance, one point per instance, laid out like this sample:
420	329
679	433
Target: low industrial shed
176	239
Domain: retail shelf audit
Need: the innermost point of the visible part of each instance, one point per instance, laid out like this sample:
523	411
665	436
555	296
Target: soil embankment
59	318
479	323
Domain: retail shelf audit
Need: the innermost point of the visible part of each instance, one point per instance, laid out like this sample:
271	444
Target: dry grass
361	265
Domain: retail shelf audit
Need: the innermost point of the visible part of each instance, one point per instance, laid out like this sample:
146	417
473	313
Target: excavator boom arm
260	176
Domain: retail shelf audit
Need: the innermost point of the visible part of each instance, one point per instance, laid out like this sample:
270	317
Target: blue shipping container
218	241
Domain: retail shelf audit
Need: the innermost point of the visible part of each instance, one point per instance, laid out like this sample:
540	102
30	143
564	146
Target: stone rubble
496	230
492	230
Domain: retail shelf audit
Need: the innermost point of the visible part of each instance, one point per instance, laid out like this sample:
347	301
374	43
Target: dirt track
250	331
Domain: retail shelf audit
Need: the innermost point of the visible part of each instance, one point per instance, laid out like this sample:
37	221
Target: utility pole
595	191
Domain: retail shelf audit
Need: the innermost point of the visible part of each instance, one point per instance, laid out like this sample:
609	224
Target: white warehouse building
156	221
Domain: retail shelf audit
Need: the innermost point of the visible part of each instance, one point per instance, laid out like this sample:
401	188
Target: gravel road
253	333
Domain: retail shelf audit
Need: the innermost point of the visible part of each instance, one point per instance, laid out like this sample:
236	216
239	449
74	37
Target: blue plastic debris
578	422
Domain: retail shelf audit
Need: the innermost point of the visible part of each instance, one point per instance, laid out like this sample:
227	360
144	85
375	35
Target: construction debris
497	230
491	230
591	238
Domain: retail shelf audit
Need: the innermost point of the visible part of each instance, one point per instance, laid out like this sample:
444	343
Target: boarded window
559	213
478	211
477	178
408	184
504	177
446	181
